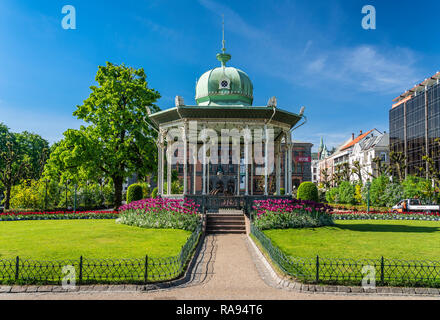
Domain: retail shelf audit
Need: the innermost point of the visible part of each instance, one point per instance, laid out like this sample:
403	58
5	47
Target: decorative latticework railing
212	203
136	270
385	272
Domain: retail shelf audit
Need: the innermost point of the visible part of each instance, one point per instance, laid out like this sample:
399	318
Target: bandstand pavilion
209	164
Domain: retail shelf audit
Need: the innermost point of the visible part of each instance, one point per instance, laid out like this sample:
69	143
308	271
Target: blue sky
311	53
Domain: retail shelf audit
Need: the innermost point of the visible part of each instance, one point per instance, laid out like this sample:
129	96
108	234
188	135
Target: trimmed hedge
308	191
134	193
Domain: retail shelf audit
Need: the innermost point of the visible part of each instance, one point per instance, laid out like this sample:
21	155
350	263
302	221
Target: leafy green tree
398	164
22	156
380	168
410	188
357	170
118	140
325	178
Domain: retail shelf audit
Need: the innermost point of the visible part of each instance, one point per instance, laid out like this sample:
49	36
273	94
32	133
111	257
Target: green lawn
70	239
408	240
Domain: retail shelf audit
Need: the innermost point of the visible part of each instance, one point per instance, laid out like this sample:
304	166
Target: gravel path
227	268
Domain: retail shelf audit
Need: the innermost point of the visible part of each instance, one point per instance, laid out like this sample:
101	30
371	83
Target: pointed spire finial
223	57
223	33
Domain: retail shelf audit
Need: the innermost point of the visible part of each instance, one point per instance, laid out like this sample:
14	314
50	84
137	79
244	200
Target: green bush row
383	192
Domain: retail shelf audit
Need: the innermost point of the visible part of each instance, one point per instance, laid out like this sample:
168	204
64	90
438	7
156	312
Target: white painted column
252	169
289	139
159	169
204	163
185	159
247	138
278	166
195	152
169	157
161	161
238	168
286	165
266	161
207	174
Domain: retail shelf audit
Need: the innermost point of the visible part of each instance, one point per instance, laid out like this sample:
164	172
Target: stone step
226	226
228	222
230	217
220	231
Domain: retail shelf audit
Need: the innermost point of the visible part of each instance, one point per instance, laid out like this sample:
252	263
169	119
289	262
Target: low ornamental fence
385	272
88	271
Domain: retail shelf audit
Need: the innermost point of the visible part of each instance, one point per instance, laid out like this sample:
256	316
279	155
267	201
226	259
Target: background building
357	152
302	162
315	168
415	124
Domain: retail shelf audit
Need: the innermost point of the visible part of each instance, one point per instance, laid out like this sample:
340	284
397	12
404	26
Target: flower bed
285	214
362	215
161	213
57	215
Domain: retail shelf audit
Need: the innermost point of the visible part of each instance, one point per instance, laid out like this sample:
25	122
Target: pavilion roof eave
226	112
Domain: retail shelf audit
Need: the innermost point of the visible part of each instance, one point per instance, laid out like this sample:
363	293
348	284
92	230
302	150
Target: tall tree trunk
118	181
8	197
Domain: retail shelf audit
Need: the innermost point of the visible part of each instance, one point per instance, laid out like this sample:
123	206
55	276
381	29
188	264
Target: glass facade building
415	125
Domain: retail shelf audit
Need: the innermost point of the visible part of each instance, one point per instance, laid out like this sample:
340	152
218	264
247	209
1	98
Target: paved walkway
227	267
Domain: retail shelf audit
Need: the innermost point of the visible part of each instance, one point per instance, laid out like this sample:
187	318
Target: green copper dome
224	85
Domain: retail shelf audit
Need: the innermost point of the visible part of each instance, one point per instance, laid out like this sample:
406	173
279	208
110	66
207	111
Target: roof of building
239	113
356	140
301	142
373	141
420	87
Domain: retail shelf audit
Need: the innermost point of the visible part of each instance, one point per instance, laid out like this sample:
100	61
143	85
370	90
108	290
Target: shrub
377	191
393	194
332	195
346	192
154	193
146	190
308	191
134	193
358	194
176	187
32	194
282	191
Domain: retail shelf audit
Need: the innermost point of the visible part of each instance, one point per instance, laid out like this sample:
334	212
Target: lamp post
368	184
45	196
74	199
67	186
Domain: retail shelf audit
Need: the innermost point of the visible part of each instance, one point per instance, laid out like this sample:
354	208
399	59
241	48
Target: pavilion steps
217	223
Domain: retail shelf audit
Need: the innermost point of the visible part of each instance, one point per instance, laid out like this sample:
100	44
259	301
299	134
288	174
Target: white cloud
317	65
372	69
307	47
